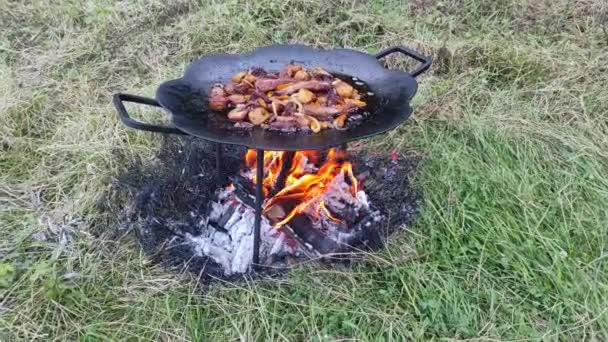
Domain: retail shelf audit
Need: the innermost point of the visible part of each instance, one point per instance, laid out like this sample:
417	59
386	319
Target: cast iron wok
185	98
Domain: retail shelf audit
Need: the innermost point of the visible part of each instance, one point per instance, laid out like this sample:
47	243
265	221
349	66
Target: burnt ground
162	197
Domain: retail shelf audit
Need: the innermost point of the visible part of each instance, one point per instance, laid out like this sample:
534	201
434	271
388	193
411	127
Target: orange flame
304	188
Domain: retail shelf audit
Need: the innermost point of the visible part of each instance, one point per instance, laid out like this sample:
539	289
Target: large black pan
186	98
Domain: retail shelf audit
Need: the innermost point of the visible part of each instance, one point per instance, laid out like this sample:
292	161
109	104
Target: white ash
226	235
231	246
338	196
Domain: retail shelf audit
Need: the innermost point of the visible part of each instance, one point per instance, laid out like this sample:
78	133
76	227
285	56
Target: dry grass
512	122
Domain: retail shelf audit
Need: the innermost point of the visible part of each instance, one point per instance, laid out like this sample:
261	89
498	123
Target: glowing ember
306	184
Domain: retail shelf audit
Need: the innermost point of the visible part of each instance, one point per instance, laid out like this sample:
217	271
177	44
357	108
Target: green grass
511	122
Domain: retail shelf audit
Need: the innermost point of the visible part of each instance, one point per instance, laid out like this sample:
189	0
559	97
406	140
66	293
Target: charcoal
344	211
243	189
303	228
226	215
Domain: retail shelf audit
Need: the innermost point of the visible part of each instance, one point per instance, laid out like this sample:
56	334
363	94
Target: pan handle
424	60
118	99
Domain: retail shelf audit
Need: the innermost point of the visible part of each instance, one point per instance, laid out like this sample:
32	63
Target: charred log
279	184
226	215
303	228
243	189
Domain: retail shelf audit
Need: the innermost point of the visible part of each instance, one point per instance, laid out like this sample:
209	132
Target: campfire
323	207
314	207
297	186
309	202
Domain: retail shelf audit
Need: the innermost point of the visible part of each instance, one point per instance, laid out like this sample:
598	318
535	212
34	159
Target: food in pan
294	99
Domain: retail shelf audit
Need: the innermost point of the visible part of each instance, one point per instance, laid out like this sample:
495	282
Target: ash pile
318	206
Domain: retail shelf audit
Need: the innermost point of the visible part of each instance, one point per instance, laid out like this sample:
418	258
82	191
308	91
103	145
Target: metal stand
259	198
218	163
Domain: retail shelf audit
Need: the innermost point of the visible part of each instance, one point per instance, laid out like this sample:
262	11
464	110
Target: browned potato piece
250	78
301	75
238	114
344	89
305	95
322	100
292	69
238	77
340	121
258	115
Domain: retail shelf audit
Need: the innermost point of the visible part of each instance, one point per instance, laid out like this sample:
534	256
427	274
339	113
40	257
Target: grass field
512	241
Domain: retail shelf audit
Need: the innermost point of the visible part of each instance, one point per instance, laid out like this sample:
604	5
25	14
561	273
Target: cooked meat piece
348	107
237	98
310	85
217	98
266	84
239	113
218	103
320	111
290	118
332	97
257	94
302	121
290	108
237	88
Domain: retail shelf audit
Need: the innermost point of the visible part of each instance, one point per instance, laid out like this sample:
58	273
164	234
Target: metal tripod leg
218	163
259	198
